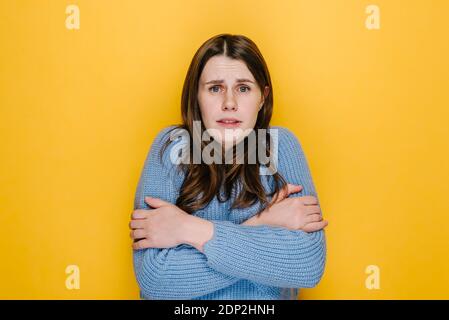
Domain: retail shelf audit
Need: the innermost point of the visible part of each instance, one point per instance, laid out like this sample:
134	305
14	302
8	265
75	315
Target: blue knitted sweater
239	262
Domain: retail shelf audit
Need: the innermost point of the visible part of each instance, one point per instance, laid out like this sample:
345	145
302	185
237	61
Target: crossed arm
264	254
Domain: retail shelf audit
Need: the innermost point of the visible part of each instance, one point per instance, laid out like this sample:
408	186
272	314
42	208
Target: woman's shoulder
286	137
167	132
164	152
167	137
281	130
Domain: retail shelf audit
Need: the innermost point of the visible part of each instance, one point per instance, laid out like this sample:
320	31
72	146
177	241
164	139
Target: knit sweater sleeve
270	255
179	272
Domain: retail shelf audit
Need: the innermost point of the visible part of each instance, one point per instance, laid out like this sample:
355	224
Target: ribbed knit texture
240	262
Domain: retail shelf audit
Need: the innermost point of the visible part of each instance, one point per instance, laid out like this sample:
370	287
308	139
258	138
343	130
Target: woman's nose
230	103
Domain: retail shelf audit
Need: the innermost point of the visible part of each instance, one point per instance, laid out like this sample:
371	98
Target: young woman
220	229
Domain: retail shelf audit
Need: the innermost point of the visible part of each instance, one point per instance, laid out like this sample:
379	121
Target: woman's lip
229	124
229	119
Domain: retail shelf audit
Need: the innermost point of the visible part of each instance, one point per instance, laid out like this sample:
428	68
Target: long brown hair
205	181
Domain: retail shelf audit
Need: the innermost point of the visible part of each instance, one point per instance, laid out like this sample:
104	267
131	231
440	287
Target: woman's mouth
229	123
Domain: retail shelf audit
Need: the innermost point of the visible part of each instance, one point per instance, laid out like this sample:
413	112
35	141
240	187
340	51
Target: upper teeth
228	121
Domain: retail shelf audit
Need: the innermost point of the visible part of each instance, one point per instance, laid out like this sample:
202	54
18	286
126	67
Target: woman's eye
213	88
244	87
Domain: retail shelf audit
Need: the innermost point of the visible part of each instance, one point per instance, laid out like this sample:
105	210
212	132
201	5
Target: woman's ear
266	91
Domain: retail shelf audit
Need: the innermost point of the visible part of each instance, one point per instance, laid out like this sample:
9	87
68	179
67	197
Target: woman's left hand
161	227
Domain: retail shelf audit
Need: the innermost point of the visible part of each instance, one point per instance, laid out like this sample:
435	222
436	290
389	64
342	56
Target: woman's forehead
225	69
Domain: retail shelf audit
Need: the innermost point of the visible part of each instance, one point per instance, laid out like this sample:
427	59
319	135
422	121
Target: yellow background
80	108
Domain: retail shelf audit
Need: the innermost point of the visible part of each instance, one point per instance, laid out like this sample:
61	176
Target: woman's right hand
299	213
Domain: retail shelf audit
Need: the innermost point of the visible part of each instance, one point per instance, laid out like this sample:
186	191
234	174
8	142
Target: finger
286	191
138	214
312	209
293	188
279	196
137	224
137	234
142	244
314	218
156	202
309	200
315	226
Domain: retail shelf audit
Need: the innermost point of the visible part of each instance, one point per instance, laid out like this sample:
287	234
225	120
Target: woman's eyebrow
221	81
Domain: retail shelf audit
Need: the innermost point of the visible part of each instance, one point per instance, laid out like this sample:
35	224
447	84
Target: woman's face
227	89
